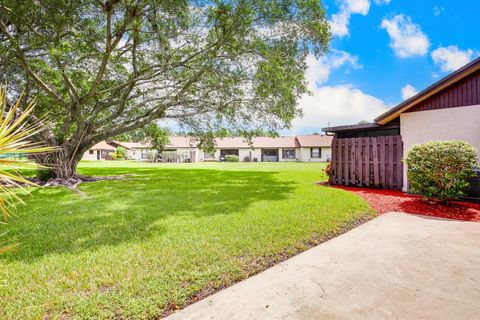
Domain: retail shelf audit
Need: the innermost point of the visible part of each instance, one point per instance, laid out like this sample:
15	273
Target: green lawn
132	248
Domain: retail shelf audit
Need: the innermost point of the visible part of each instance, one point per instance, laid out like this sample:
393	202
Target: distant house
306	148
314	148
182	149
100	151
135	150
370	154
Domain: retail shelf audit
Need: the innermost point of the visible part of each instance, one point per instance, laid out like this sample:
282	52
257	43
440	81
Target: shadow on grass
57	220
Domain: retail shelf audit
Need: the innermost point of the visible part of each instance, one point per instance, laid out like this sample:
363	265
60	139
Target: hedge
439	170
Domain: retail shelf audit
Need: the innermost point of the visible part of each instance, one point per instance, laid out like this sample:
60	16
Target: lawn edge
267	262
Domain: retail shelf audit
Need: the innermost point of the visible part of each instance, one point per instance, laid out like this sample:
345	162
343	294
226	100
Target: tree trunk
61	167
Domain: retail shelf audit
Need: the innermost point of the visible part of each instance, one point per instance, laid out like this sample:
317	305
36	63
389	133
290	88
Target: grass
134	248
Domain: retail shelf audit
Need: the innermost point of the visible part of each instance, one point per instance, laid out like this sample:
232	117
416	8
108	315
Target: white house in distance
100	151
184	148
315	148
301	148
306	148
135	150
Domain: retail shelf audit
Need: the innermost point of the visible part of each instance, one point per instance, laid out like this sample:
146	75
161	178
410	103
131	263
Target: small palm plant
15	139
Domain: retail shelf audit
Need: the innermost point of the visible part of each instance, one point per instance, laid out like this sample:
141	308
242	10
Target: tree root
73	182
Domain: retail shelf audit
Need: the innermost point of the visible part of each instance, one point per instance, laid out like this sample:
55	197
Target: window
226	152
105	154
315	152
288	153
270	152
90	151
144	153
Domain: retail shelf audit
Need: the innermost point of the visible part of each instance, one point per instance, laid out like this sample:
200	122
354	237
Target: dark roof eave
354	127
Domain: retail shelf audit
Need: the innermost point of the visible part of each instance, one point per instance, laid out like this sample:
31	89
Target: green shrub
231	158
114	156
329	172
44	175
121	153
439	170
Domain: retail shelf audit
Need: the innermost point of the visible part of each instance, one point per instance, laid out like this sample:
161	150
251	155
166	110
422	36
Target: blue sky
383	51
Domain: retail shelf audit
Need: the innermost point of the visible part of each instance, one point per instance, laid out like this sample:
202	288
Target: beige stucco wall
462	123
88	156
188	151
248	152
136	154
130	154
301	154
304	155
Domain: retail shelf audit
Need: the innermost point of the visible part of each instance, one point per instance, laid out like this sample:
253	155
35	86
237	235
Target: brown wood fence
368	162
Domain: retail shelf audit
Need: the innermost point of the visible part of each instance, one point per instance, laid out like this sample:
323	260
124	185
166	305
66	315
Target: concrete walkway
396	266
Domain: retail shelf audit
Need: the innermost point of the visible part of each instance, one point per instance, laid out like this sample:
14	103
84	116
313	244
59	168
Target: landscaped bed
164	236
391	200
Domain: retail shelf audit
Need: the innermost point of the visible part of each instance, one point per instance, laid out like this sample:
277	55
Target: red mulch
391	200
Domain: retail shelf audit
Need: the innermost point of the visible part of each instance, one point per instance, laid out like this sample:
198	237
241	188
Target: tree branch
110	44
72	91
23	61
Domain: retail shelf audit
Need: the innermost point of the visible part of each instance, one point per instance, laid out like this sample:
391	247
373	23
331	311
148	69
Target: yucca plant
15	139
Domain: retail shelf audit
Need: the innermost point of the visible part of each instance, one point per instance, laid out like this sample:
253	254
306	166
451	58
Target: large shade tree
103	68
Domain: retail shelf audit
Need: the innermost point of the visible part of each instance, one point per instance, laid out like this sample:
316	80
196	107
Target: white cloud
336	105
319	70
437	10
358	6
339	22
382	2
451	58
406	37
408	91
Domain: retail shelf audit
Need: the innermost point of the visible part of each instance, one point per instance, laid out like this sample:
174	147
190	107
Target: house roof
314	140
182	142
132	145
231	142
258	142
443	83
278	142
238	142
102	145
361	127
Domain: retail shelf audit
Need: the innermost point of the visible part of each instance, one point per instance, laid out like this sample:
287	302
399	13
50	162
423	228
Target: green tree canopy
158	136
103	68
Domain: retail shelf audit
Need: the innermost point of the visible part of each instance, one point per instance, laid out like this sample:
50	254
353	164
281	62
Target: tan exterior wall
136	154
188	150
131	154
88	156
460	123
247	152
217	154
304	155
301	154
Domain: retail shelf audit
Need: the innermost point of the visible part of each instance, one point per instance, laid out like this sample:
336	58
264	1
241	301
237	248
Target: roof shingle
315	140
